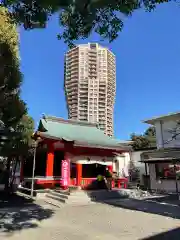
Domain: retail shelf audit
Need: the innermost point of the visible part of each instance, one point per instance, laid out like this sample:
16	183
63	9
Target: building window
167	171
92	46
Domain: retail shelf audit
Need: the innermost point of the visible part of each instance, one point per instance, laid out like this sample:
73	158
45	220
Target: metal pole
33	171
177	191
146	177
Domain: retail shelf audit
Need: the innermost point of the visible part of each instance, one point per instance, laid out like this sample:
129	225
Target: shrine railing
51	181
87	181
73	181
119	183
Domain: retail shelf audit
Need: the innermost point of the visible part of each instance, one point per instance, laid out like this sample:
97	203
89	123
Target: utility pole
33	170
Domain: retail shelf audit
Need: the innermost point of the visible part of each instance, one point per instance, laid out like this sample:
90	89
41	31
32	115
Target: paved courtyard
96	221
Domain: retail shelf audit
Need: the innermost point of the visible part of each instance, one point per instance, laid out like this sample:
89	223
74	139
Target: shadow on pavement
152	206
171	234
148	207
168	199
14	200
17	213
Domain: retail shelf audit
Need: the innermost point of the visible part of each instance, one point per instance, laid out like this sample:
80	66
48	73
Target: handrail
44	178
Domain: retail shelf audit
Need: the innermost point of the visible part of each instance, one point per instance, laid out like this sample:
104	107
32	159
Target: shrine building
70	153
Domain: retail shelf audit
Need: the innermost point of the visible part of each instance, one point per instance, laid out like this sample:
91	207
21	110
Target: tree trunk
7	174
13	175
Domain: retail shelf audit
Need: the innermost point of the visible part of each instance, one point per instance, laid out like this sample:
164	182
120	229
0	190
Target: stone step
66	199
75	193
56	198
58	194
59	202
66	193
73	198
80	197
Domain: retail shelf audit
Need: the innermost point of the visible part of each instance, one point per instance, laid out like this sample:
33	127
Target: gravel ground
97	221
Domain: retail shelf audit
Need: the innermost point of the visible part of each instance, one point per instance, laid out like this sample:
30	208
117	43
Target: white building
164	163
90	85
122	162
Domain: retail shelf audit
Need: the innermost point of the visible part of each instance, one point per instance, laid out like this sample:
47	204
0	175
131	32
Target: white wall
159	135
83	159
163	185
163	136
122	164
136	158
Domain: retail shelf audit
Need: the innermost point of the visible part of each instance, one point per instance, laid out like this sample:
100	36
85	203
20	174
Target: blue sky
148	69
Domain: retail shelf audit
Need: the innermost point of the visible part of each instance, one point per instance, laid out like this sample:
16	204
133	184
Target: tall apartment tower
90	85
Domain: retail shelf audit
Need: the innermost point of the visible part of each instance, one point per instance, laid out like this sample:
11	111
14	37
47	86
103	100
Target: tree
144	141
17	146
21	143
8	32
12	108
78	18
26	128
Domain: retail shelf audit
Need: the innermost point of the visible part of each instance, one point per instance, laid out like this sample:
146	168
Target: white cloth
94	162
125	172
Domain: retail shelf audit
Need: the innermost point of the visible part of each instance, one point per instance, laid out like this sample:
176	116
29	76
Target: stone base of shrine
85	183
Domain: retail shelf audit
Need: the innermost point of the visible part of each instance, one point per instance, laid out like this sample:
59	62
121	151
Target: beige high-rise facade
90	85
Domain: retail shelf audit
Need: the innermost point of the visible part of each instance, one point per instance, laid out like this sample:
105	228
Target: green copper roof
78	131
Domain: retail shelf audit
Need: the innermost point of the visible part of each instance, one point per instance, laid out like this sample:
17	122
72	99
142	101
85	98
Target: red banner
65	173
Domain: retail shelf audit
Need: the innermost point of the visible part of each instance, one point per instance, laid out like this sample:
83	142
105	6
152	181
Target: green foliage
26	129
8	32
17	126
78	18
147	140
12	108
19	140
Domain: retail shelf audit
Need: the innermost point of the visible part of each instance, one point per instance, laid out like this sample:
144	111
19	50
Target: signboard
65	172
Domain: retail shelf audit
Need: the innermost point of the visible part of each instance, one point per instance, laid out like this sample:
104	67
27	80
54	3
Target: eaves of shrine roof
81	133
169	116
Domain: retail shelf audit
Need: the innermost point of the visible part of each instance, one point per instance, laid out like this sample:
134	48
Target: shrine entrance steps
76	196
59	197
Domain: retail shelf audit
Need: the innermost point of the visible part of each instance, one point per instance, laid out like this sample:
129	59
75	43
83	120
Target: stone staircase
59	197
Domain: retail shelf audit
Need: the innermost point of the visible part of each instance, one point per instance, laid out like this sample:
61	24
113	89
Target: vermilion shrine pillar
50	160
78	174
110	168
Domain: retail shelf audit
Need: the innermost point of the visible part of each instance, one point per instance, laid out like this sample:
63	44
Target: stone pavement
93	222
